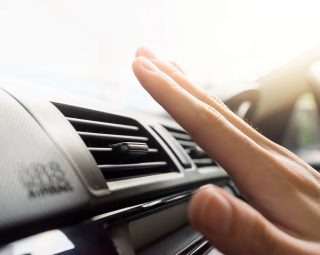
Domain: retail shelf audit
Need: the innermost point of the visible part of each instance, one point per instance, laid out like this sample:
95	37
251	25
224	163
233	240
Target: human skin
282	213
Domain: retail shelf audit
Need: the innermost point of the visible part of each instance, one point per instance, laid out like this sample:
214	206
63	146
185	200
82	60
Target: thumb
234	227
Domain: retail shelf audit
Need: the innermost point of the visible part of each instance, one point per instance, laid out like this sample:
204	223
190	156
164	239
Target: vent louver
198	156
121	147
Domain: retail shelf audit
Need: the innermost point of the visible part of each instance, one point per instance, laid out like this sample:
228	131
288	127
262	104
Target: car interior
89	168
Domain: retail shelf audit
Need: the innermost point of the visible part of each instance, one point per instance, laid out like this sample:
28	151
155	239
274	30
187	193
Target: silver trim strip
134	182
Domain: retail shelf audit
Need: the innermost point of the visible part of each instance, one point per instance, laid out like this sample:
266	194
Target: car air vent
121	147
198	156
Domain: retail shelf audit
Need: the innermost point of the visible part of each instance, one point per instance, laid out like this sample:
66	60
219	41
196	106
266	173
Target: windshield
87	46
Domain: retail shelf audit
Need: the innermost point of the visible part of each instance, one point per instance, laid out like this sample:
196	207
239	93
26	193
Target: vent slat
113	137
203	161
188	151
102	124
153	150
98	149
198	156
187	143
180	136
136	166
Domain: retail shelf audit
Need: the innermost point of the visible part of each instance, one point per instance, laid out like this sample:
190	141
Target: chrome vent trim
102	131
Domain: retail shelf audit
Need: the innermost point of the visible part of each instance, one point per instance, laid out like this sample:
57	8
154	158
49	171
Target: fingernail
146	64
146	53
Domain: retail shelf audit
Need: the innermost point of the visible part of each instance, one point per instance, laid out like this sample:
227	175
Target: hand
283	192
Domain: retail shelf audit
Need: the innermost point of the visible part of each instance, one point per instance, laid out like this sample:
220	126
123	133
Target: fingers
209	128
235	228
276	167
145	52
149	54
177	66
176	73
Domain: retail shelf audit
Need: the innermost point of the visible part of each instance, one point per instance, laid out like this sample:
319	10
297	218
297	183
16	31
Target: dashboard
77	178
82	177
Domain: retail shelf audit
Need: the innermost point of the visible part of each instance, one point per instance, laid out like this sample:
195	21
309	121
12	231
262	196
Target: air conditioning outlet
121	147
198	156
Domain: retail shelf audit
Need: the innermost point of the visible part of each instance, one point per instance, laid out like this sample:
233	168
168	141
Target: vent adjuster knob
130	148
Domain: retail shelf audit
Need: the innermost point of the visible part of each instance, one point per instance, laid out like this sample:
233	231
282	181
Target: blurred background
87	47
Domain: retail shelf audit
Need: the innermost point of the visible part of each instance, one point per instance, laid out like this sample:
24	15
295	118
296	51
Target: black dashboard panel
52	176
37	181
